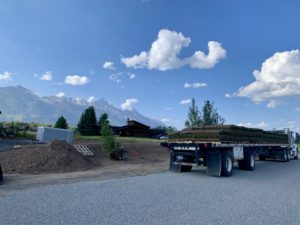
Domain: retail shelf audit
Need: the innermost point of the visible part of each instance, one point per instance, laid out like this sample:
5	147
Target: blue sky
151	55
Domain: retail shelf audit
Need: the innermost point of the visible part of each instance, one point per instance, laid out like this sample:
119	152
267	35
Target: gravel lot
269	195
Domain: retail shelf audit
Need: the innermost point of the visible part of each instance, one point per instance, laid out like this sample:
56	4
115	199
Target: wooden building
134	129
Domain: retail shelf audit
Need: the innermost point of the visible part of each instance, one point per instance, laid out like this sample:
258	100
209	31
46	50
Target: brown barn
134	129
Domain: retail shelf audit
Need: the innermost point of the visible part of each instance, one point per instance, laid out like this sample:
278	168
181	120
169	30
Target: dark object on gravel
118	154
164	144
1	175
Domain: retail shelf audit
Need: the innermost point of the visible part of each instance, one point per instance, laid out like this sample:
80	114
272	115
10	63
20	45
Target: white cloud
169	108
165	120
228	95
116	77
297	109
131	76
35	75
185	101
108	65
91	99
195	85
60	94
76	80
278	79
47	76
127	105
201	61
261	125
6	76
164	52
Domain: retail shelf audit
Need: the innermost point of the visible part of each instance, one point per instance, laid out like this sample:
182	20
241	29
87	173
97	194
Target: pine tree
61	123
193	120
103	119
87	124
109	142
210	116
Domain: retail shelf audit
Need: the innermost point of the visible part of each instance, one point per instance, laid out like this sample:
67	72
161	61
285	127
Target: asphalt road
269	195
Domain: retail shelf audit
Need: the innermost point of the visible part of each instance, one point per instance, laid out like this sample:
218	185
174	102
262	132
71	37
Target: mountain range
21	104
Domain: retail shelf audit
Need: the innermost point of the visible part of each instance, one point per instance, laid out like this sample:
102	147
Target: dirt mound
56	156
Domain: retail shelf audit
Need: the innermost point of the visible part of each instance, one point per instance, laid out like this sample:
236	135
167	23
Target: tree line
207	116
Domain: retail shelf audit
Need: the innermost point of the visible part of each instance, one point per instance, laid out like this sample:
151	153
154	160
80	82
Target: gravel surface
269	195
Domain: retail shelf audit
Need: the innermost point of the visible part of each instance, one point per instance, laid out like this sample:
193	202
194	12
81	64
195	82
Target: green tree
61	123
193	120
103	119
87	124
210	116
109	141
168	129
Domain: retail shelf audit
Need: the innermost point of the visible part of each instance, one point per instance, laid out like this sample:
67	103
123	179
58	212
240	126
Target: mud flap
214	164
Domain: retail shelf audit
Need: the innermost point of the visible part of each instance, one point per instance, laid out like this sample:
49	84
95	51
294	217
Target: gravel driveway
269	195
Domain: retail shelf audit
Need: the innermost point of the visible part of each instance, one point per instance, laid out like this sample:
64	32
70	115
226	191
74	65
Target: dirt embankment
60	157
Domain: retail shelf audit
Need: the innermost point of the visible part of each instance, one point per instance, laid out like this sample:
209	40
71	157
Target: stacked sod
230	134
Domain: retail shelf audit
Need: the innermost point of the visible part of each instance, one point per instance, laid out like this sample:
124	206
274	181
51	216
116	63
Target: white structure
47	134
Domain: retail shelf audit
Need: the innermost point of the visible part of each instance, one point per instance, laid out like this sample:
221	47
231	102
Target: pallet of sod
229	134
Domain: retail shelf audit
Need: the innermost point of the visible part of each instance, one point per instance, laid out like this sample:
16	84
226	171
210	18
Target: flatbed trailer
218	157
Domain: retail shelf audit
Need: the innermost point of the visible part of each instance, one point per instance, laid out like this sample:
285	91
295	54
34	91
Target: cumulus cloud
76	80
164	52
6	76
127	105
278	78
116	77
108	65
60	94
185	101
91	99
194	85
47	76
261	125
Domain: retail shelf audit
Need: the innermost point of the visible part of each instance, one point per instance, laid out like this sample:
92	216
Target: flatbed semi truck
218	147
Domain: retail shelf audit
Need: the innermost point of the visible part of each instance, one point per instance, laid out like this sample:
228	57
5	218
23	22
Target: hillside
21	104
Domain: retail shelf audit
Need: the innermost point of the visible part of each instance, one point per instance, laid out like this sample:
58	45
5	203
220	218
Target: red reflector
205	145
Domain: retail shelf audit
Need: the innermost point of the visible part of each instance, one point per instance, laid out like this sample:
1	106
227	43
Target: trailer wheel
227	164
285	156
248	163
297	155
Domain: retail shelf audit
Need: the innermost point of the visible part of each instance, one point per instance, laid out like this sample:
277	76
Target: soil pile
56	156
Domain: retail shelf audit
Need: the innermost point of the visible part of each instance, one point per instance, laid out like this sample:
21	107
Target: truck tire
285	157
248	163
226	164
297	154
